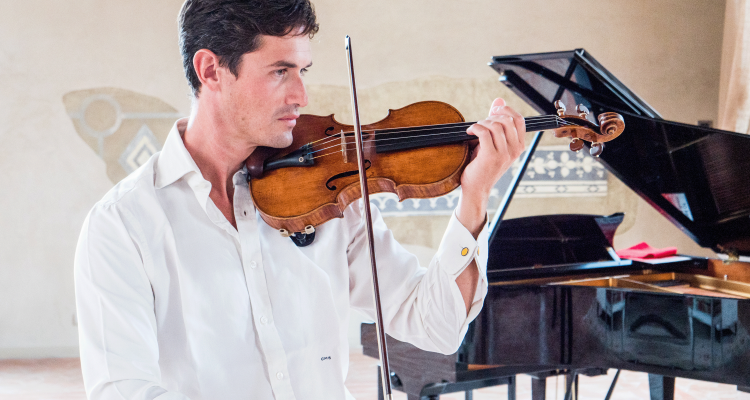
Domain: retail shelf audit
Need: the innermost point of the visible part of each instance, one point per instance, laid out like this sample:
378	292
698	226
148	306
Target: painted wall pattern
124	128
554	171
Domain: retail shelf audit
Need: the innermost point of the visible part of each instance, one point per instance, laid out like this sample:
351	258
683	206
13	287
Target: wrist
472	213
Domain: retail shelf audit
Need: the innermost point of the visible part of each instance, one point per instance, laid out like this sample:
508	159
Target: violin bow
385	369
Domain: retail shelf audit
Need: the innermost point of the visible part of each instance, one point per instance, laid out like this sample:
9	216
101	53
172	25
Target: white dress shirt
175	303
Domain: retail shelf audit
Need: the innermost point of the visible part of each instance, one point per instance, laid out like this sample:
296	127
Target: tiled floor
60	379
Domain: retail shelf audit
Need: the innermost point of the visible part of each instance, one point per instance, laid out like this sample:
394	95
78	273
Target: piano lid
699	178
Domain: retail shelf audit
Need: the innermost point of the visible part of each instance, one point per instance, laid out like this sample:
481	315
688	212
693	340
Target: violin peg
576	145
596	149
582	111
560	107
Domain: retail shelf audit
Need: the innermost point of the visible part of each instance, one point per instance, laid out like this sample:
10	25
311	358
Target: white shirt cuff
458	248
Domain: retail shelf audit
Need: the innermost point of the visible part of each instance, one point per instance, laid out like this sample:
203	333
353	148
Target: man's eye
303	71
280	72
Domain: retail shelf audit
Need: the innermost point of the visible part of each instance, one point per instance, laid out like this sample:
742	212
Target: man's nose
297	93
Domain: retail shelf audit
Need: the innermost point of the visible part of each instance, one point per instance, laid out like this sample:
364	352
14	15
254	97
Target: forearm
467	283
472	213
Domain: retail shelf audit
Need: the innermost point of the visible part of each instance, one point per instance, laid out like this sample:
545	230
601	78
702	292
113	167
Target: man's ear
206	65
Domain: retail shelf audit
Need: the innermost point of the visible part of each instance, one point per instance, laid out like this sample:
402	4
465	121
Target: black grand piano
560	299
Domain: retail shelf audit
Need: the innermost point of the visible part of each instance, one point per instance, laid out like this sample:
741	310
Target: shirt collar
175	162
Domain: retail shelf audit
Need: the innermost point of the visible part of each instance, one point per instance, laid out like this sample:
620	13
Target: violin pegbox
579	128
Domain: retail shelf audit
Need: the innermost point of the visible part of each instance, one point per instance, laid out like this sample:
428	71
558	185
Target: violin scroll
579	128
611	123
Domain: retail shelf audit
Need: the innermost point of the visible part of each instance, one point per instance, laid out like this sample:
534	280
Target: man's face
262	104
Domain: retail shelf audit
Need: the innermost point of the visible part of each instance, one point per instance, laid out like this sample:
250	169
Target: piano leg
571	386
538	387
512	388
612	386
469	395
662	387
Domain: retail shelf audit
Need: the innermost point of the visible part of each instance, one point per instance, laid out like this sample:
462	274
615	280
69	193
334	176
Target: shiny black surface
575	327
547	245
696	177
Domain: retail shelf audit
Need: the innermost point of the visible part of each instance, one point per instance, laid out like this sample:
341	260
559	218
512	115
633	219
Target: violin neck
397	139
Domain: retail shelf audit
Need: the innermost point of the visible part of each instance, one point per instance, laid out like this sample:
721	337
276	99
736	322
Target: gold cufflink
465	251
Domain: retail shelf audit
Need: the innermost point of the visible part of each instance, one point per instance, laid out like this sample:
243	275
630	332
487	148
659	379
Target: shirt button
253	265
263	320
279	376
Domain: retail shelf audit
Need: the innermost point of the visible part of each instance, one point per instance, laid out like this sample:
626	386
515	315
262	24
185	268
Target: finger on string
519	123
509	134
487	138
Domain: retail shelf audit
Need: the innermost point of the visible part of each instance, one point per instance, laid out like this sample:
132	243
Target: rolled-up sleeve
115	306
422	306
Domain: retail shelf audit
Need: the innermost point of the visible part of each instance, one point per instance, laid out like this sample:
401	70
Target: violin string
530	123
429	132
530	126
373	142
380	140
337	143
369	144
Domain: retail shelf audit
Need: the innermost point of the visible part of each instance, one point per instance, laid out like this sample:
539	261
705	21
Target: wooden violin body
293	198
418	151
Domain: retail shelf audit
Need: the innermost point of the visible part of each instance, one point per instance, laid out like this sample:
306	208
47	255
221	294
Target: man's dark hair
232	28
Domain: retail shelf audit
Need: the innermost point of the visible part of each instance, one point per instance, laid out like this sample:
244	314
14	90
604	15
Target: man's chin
283	140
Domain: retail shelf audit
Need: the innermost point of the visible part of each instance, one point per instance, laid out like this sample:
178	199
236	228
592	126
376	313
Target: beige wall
666	51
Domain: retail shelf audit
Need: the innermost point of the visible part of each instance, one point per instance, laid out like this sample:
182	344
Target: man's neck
217	156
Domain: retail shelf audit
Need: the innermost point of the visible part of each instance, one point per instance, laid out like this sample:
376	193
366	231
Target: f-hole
345	174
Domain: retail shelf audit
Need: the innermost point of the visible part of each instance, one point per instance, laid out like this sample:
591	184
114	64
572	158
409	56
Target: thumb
496	106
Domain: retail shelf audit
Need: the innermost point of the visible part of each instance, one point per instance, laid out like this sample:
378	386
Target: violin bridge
344	149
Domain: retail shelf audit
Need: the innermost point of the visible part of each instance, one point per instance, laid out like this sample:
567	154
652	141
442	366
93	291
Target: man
183	292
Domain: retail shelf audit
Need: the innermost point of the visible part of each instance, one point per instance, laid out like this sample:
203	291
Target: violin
418	151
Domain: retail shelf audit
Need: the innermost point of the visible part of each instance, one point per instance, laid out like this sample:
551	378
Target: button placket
260	302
